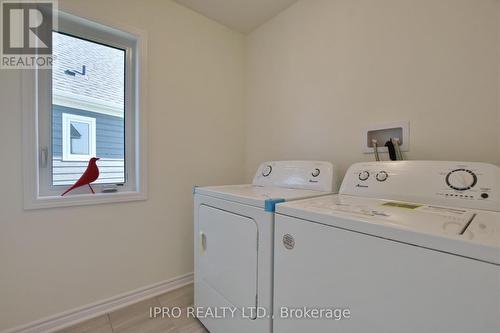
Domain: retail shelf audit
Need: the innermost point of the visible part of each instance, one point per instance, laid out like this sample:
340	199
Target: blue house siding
109	148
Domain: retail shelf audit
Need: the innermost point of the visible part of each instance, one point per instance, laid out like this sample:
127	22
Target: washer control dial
267	170
315	172
461	179
364	175
382	176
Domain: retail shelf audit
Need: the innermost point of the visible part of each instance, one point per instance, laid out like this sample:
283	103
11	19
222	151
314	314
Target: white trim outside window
37	122
87	103
69	123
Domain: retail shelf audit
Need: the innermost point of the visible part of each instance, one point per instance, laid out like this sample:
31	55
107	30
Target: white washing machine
407	247
234	229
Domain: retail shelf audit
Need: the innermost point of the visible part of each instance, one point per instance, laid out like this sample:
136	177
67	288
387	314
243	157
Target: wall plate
383	132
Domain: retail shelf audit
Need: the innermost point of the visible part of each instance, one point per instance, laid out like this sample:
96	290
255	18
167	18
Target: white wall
314	77
498	69
322	70
58	259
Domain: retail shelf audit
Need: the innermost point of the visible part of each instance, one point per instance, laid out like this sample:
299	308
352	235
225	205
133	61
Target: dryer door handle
203	242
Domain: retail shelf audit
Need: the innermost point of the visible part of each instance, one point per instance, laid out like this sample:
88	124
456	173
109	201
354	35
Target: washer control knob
461	179
364	175
315	172
267	170
382	176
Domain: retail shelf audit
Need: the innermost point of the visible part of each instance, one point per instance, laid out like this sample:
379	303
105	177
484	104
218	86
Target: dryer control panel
310	175
456	184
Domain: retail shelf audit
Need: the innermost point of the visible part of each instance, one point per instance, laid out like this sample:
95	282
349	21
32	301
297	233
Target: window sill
83	200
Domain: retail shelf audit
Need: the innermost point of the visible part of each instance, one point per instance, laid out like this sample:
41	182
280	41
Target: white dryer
409	247
234	230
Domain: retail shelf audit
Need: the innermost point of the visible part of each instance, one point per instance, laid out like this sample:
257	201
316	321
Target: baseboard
75	316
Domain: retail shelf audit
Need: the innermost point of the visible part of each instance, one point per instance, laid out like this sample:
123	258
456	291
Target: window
88	105
78	139
88	95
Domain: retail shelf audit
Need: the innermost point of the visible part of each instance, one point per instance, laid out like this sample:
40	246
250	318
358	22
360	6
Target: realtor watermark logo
26	36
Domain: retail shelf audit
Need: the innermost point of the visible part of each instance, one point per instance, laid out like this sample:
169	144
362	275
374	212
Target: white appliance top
454	213
454	184
307	175
279	181
257	195
469	233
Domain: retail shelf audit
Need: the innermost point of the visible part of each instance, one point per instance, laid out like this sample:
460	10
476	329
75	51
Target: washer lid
465	232
257	196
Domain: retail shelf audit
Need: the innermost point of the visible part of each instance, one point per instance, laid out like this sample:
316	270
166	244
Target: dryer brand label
288	241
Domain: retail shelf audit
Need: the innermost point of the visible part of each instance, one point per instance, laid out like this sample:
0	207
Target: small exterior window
89	104
78	138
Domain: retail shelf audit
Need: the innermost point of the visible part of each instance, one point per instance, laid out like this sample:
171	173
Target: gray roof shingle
104	78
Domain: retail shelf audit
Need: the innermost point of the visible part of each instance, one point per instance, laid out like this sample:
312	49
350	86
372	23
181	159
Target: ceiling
240	15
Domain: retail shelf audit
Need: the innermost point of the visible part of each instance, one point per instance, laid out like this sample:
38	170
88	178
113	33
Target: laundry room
250	166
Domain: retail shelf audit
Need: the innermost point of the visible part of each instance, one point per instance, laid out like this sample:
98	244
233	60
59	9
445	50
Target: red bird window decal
89	176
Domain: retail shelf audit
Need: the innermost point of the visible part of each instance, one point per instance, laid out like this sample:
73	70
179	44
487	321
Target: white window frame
67	119
37	107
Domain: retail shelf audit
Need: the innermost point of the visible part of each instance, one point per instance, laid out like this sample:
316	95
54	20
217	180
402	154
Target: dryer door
228	255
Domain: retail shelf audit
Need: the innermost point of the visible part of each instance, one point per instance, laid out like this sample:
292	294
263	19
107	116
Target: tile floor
135	318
